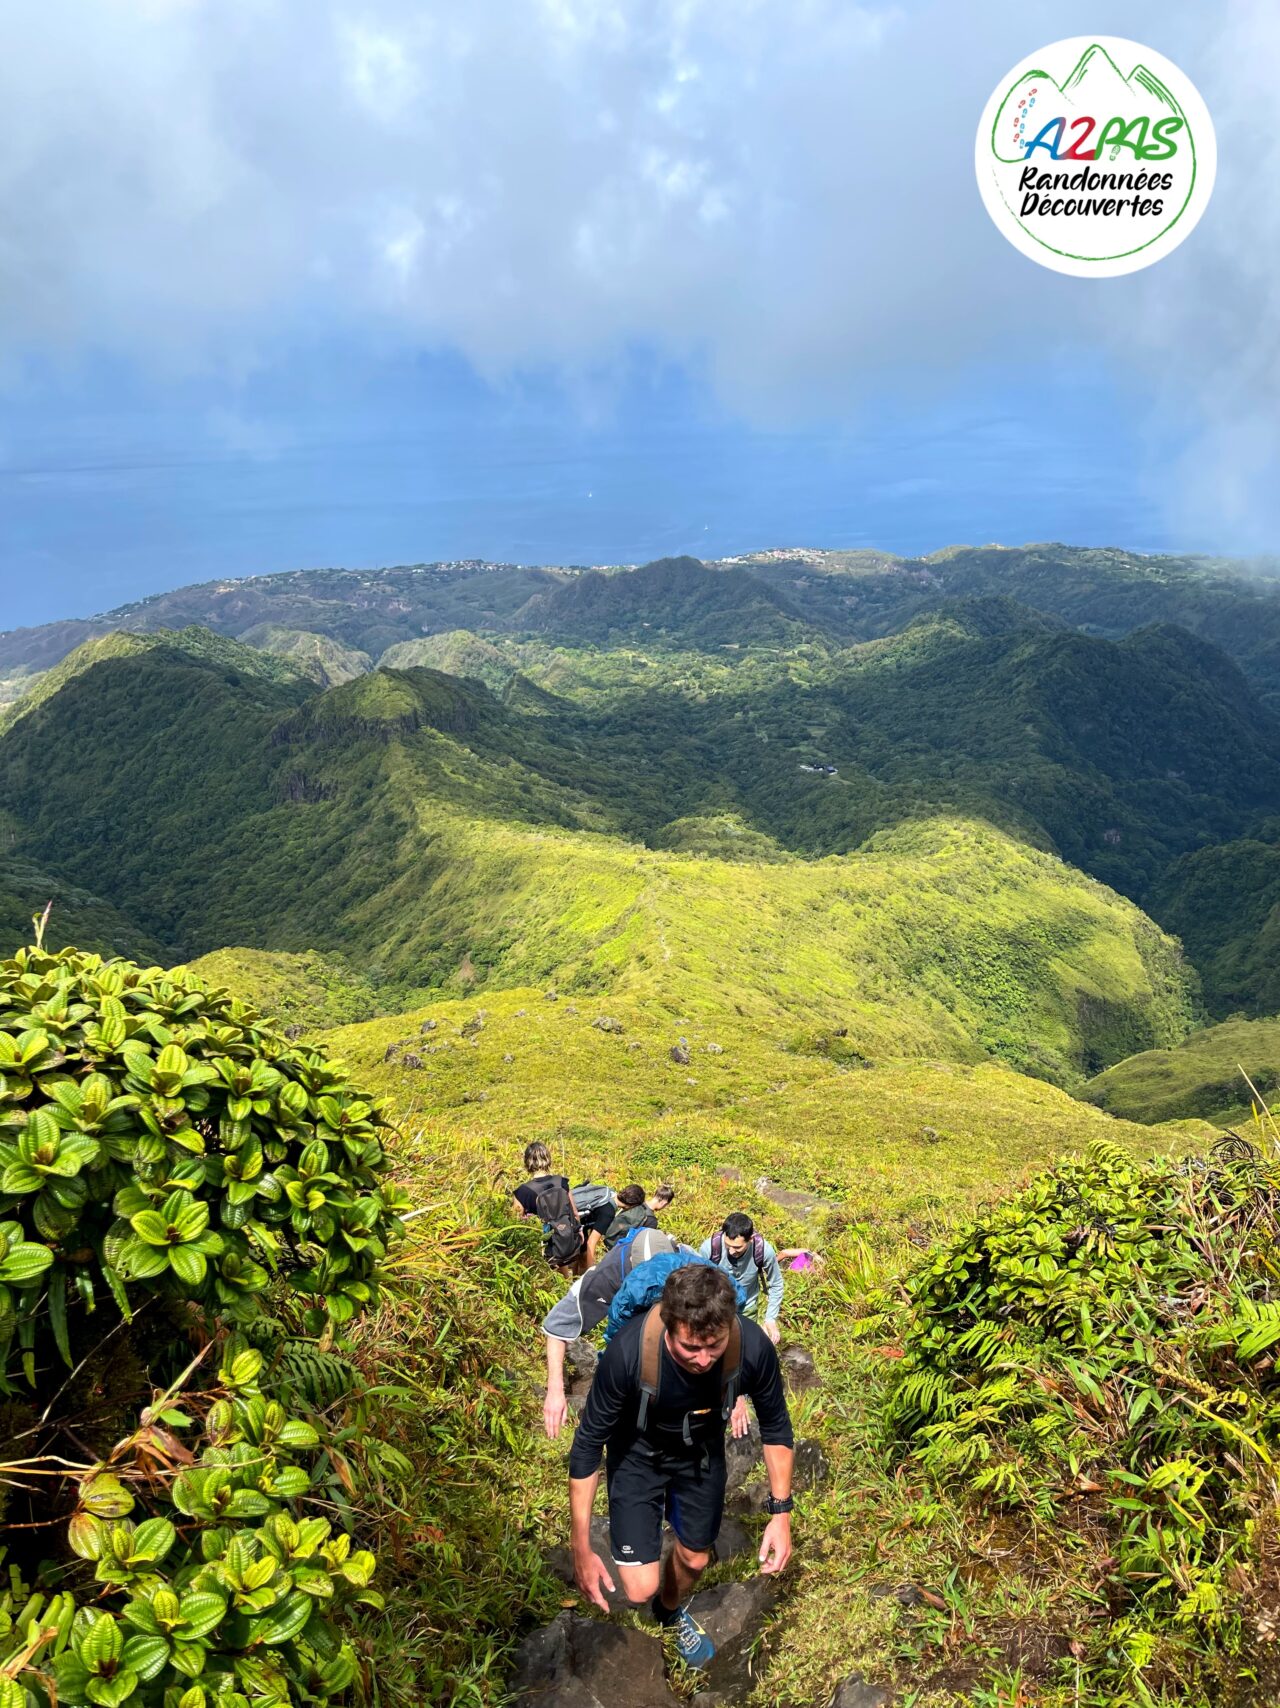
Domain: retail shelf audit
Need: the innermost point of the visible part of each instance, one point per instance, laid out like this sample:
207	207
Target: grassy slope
947	938
1199	1077
904	1139
306	989
895	1152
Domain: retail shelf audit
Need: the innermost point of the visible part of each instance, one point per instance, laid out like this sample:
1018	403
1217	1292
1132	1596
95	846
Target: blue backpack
643	1287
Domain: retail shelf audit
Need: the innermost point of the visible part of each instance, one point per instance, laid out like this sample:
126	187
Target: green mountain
443	841
194	643
675	600
1224	901
843	596
1103	591
368	610
457	652
326	661
1202	1077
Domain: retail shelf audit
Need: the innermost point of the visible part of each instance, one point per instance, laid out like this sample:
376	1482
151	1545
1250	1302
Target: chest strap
651	1371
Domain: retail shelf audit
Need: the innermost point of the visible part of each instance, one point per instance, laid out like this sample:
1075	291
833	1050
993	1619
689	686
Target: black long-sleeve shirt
610	1418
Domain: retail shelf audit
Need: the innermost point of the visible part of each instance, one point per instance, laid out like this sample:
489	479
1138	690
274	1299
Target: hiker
573	1219
597	1206
586	1305
663	1197
633	1212
739	1250
657	1412
537	1164
545	1195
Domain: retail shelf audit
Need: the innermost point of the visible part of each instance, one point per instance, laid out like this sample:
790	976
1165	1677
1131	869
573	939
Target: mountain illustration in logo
1096	87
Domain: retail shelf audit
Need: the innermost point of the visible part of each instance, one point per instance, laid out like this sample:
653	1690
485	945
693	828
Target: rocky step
580	1662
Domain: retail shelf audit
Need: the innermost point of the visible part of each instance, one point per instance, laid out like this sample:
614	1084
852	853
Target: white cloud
781	188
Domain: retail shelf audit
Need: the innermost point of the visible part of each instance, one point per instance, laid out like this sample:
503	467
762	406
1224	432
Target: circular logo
1095	156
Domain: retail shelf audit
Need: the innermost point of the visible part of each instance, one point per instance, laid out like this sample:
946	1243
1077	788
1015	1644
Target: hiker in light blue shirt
751	1260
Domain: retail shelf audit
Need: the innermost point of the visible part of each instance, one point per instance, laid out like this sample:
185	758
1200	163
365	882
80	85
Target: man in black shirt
586	1305
657	1412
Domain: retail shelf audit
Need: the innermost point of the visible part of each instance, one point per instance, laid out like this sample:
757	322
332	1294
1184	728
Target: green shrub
160	1144
217	1594
1101	1348
158	1136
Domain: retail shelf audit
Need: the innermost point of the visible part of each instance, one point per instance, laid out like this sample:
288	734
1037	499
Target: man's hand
739	1422
772	1330
591	1573
775	1544
554	1411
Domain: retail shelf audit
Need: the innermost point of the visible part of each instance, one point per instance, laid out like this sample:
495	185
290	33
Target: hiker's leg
639	1583
636	1494
683	1569
695	1506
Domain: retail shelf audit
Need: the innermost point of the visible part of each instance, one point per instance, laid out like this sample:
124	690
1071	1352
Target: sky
288	283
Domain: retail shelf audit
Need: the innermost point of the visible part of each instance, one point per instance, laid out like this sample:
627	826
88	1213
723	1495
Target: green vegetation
1204	1076
77	915
456	653
889	1155
1096	1353
675	598
1225	903
306	990
173	1173
193	643
442	841
326	661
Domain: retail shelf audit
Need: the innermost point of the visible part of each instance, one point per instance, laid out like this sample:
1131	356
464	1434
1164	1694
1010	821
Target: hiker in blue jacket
741	1252
585	1305
657	1414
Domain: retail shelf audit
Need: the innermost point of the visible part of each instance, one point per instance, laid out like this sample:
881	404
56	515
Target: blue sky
288	284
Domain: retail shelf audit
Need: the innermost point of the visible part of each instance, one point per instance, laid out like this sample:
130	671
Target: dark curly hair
700	1298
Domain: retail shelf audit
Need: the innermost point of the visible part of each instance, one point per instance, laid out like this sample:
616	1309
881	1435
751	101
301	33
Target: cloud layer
778	191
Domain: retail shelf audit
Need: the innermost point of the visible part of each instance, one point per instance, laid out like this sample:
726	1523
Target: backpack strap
731	1370
757	1251
717	1246
650	1362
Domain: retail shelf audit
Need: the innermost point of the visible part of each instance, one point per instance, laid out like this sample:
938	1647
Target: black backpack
561	1229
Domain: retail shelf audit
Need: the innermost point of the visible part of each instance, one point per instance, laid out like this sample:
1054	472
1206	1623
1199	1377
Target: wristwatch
775	1505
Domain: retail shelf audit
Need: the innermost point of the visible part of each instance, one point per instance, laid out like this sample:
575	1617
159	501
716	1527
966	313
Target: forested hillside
445	839
1135	759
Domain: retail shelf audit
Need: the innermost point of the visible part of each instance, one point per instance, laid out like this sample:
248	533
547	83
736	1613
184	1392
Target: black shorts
647	1485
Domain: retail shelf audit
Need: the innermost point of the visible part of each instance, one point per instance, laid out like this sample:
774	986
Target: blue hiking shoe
693	1645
